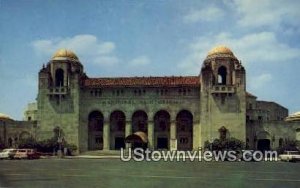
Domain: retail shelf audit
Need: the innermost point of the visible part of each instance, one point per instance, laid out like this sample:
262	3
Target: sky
141	38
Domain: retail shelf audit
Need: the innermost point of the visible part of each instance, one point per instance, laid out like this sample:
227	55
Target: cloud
140	61
267	12
207	14
87	47
258	82
262	48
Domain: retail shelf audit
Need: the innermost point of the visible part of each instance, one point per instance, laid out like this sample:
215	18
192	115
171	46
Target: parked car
8	153
292	156
26	154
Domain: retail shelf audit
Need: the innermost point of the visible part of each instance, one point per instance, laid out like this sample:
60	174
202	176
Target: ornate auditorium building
172	112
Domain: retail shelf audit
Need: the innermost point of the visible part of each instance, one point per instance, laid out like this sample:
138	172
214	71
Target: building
30	113
12	131
174	112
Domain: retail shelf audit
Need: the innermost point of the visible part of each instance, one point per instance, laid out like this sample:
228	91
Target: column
128	128
150	134
173	139
106	136
128	131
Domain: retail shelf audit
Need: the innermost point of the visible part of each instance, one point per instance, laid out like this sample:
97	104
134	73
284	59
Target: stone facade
12	132
185	112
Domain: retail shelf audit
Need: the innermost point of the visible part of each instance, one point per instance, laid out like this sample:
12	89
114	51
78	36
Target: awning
137	137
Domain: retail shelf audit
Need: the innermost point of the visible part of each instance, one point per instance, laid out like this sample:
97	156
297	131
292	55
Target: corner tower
223	96
58	96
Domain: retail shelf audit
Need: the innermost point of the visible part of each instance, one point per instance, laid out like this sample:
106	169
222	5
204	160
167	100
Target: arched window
59	77
222	73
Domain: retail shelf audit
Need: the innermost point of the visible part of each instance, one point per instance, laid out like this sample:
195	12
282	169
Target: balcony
58	90
223	89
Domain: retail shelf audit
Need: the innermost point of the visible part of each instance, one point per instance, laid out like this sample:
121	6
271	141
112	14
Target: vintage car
26	154
292	156
8	153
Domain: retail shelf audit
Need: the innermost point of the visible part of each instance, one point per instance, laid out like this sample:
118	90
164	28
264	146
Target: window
59	78
222	73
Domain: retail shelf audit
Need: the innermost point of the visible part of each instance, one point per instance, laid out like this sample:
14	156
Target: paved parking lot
114	173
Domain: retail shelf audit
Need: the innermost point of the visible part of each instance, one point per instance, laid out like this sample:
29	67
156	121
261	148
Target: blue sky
142	38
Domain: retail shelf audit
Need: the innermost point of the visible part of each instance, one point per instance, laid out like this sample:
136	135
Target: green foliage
225	144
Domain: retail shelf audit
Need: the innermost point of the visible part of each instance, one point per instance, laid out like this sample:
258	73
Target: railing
223	89
58	90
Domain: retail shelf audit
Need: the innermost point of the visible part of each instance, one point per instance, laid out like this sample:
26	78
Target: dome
4	117
64	54
220	50
294	117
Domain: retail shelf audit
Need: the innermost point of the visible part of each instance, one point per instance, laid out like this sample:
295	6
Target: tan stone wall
150	102
275	130
16	130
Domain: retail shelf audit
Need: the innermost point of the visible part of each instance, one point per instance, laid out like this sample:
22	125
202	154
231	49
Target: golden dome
294	117
64	53
220	50
4	117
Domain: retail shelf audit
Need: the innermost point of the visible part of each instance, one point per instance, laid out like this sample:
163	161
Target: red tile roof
171	81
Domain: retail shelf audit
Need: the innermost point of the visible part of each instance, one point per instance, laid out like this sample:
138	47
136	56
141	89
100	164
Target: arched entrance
24	136
95	131
117	130
222	74
140	122
263	141
162	129
184	130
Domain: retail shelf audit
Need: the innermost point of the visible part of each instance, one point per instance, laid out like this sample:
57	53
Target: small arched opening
59	77
222	74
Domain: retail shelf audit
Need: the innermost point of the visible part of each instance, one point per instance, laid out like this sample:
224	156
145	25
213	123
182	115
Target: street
114	173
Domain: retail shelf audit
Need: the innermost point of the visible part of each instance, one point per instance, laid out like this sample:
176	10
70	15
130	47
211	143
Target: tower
59	97
223	96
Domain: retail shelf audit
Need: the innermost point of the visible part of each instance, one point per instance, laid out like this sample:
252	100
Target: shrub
225	144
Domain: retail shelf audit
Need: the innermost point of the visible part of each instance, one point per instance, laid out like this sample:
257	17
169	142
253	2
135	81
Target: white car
290	156
8	153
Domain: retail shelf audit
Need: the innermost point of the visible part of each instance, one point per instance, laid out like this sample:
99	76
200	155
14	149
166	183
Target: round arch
117	129
263	141
24	135
184	130
95	130
222	75
140	121
162	129
59	77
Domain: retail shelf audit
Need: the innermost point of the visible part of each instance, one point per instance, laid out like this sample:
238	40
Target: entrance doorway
162	143
263	144
119	143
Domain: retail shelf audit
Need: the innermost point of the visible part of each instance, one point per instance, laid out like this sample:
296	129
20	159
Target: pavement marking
284	180
219	178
